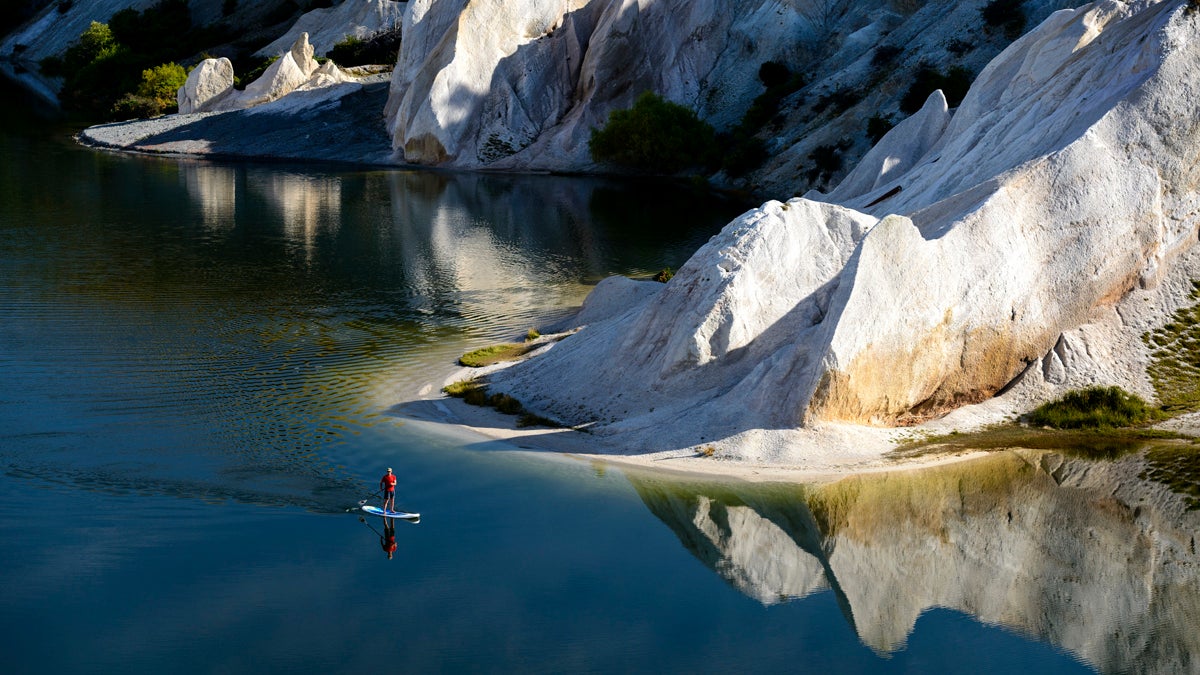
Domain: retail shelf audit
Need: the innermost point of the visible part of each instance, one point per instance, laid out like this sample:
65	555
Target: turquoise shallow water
196	366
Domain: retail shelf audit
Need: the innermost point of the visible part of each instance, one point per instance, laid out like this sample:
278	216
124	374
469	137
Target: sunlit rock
521	84
209	82
953	259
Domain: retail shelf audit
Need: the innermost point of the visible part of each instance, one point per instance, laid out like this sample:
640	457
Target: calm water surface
197	362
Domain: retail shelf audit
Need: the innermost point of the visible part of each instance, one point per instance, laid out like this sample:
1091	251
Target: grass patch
486	356
1095	408
475	393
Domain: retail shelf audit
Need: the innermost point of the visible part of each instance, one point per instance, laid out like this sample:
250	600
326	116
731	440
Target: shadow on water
1097	558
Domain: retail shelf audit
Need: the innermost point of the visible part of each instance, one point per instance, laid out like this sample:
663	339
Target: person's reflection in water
388	539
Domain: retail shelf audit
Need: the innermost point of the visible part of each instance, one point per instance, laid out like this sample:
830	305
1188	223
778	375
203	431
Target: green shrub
1005	14
381	48
774	74
487	356
885	55
878	126
664	275
655	136
954	84
1095	408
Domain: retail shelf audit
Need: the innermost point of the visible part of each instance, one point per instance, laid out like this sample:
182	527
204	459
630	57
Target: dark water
197	361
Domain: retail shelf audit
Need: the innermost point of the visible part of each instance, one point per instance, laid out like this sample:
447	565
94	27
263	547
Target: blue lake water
197	363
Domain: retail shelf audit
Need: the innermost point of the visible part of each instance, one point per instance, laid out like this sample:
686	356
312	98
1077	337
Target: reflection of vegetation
1178	468
1094	408
1088	444
1175	349
859	507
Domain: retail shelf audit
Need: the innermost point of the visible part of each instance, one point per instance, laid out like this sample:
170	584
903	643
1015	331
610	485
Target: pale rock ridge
327	26
1065	180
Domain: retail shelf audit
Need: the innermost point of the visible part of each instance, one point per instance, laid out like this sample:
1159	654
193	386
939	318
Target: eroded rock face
520	84
955	257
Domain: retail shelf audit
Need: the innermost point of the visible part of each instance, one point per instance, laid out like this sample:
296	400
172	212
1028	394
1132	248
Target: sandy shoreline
446	416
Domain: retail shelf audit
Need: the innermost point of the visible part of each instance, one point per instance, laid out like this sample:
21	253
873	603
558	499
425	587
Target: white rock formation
209	87
328	26
956	257
210	80
521	84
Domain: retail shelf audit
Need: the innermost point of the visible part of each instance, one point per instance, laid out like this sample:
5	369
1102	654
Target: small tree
655	136
155	94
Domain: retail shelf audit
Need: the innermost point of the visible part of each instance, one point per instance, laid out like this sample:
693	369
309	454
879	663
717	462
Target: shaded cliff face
520	85
953	259
1084	555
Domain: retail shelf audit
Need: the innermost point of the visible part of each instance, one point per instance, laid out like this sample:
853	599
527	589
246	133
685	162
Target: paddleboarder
388	485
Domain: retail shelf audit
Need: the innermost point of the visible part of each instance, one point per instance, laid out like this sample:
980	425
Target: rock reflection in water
1085	555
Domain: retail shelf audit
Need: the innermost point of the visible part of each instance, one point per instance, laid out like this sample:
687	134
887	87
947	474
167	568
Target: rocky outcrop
209	87
210	80
327	26
1080	554
952	260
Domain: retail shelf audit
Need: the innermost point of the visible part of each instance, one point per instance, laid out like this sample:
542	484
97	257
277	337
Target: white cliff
327	26
961	253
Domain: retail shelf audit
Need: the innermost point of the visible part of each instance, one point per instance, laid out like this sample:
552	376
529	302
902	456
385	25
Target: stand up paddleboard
403	515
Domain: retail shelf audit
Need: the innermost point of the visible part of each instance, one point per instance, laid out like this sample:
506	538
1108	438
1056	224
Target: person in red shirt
388	485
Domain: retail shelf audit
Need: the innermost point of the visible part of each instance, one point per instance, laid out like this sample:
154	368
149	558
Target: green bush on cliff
1095	408
155	94
103	69
380	48
655	136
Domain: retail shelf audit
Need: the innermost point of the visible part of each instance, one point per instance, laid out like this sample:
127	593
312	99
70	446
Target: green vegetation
486	356
155	94
475	393
1175	368
741	150
827	160
1095	408
664	275
381	48
1007	15
532	335
954	83
655	136
104	70
877	126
